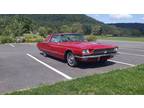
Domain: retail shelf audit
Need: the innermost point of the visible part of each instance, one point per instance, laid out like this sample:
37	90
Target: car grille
104	51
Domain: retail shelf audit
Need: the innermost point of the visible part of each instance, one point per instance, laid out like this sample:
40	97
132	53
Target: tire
44	54
71	61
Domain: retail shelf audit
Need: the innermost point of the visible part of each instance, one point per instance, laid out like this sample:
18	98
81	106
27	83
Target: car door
55	47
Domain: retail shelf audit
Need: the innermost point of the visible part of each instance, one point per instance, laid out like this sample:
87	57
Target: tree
77	28
17	26
49	30
3	23
87	29
65	28
97	30
42	31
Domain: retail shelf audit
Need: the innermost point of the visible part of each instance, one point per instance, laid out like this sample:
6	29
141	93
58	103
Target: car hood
87	45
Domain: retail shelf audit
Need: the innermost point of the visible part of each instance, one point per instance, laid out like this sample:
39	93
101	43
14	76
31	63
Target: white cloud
121	16
142	18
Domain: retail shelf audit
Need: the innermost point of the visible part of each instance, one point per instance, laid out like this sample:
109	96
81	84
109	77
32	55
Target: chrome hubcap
70	59
44	54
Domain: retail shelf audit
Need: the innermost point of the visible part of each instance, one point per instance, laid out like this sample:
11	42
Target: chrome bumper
96	56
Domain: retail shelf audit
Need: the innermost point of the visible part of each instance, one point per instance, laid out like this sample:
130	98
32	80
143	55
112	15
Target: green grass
126	81
137	39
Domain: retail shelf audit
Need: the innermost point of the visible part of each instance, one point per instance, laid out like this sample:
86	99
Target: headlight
116	49
85	52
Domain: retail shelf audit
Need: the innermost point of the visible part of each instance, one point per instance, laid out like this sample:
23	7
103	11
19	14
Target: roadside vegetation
7	39
124	81
33	38
110	37
28	38
91	38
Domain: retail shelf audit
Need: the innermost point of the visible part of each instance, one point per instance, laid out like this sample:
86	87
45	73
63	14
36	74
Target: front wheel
103	61
71	61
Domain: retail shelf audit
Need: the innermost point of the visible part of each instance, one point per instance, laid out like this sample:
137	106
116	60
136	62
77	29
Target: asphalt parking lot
22	66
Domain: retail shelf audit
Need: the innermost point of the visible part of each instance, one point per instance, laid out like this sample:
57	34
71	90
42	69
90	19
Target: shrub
7	39
91	38
30	38
20	39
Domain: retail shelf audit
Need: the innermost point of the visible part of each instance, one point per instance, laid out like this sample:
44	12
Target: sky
119	18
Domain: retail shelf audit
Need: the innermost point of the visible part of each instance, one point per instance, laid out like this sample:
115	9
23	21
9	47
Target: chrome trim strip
95	56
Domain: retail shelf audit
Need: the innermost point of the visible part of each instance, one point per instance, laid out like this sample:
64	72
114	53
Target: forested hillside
139	27
43	24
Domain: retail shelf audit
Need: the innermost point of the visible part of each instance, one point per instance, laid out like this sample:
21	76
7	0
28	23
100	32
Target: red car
74	48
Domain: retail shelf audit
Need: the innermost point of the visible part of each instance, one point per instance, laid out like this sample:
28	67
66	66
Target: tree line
17	25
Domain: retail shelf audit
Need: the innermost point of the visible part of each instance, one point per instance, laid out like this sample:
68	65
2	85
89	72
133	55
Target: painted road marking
11	45
131	54
132	65
50	67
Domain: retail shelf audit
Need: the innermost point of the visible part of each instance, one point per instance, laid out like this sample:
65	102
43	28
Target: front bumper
96	56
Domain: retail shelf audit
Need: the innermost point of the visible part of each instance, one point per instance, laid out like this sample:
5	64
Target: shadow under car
85	65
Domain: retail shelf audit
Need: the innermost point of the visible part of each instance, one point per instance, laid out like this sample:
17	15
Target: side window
56	39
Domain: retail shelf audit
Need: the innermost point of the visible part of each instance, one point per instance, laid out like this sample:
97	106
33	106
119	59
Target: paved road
22	66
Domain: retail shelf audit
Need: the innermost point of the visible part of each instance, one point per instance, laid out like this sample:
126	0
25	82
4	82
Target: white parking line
131	54
11	45
50	67
132	65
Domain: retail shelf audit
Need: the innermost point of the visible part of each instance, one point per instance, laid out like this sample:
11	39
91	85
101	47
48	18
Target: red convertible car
73	48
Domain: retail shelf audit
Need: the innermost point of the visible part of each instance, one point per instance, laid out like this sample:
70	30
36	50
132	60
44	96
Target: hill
61	19
43	24
25	23
138	26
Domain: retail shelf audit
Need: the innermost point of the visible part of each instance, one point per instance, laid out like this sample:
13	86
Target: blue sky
119	18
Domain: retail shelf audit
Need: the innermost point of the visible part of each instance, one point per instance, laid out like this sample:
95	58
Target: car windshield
72	37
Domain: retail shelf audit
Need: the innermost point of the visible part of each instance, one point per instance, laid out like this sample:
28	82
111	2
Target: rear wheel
71	61
44	54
